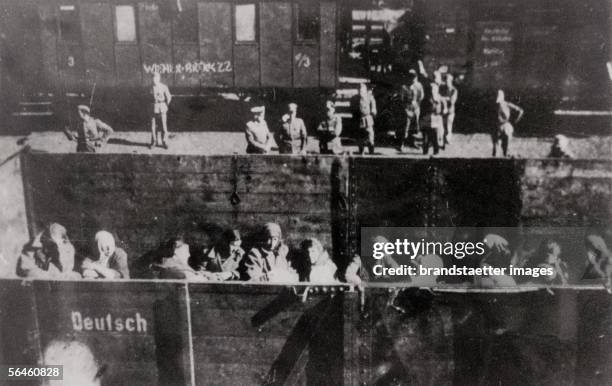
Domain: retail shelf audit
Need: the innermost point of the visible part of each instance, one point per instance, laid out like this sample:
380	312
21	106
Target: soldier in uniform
91	133
411	97
504	130
292	137
449	95
161	100
257	133
367	112
433	127
329	131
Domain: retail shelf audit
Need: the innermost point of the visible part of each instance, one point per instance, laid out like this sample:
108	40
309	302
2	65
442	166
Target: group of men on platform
429	111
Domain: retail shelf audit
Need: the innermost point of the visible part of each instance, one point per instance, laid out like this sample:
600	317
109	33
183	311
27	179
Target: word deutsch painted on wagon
108	322
200	67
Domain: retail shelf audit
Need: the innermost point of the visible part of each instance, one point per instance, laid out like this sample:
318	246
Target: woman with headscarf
49	256
599	260
221	261
268	261
548	256
111	262
317	267
175	262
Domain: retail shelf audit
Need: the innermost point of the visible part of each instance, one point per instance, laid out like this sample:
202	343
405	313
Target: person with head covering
91	133
504	130
49	256
221	262
362	270
161	100
257	133
268	261
111	262
548	256
329	131
365	116
497	255
318	267
599	260
175	262
560	148
292	137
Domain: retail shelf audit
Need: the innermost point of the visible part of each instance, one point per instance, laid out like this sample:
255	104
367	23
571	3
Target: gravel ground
215	143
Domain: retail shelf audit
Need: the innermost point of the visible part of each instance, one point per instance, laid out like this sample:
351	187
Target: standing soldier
433	127
329	131
292	137
161	100
367	112
91	133
411	96
504	130
257	133
449	95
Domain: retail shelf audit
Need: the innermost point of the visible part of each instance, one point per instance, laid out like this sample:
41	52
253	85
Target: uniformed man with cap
292	136
91	133
161	100
257	133
366	113
329	131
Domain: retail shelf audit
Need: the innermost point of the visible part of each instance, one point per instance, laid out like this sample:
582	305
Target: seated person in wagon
111	262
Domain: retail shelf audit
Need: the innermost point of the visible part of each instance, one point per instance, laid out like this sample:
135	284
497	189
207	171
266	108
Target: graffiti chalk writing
302	60
108	323
200	67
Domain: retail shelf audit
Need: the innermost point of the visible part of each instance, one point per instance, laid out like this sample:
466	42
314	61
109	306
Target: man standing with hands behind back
161	100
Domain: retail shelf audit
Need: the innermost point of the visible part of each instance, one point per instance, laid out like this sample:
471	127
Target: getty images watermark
508	255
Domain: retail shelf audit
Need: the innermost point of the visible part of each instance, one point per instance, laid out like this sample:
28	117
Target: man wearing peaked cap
257	133
329	131
292	136
91	133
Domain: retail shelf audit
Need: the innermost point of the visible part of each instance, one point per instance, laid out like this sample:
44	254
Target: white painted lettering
77	321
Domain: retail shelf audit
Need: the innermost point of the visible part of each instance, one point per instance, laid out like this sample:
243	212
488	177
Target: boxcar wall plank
231	374
156	43
275	34
238	323
97	32
328	45
216	61
235	350
306	65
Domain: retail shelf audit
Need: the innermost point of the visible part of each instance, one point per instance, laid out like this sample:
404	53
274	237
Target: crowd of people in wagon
428	108
51	255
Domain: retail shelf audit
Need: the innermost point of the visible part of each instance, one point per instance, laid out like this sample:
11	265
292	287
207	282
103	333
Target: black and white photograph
306	192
